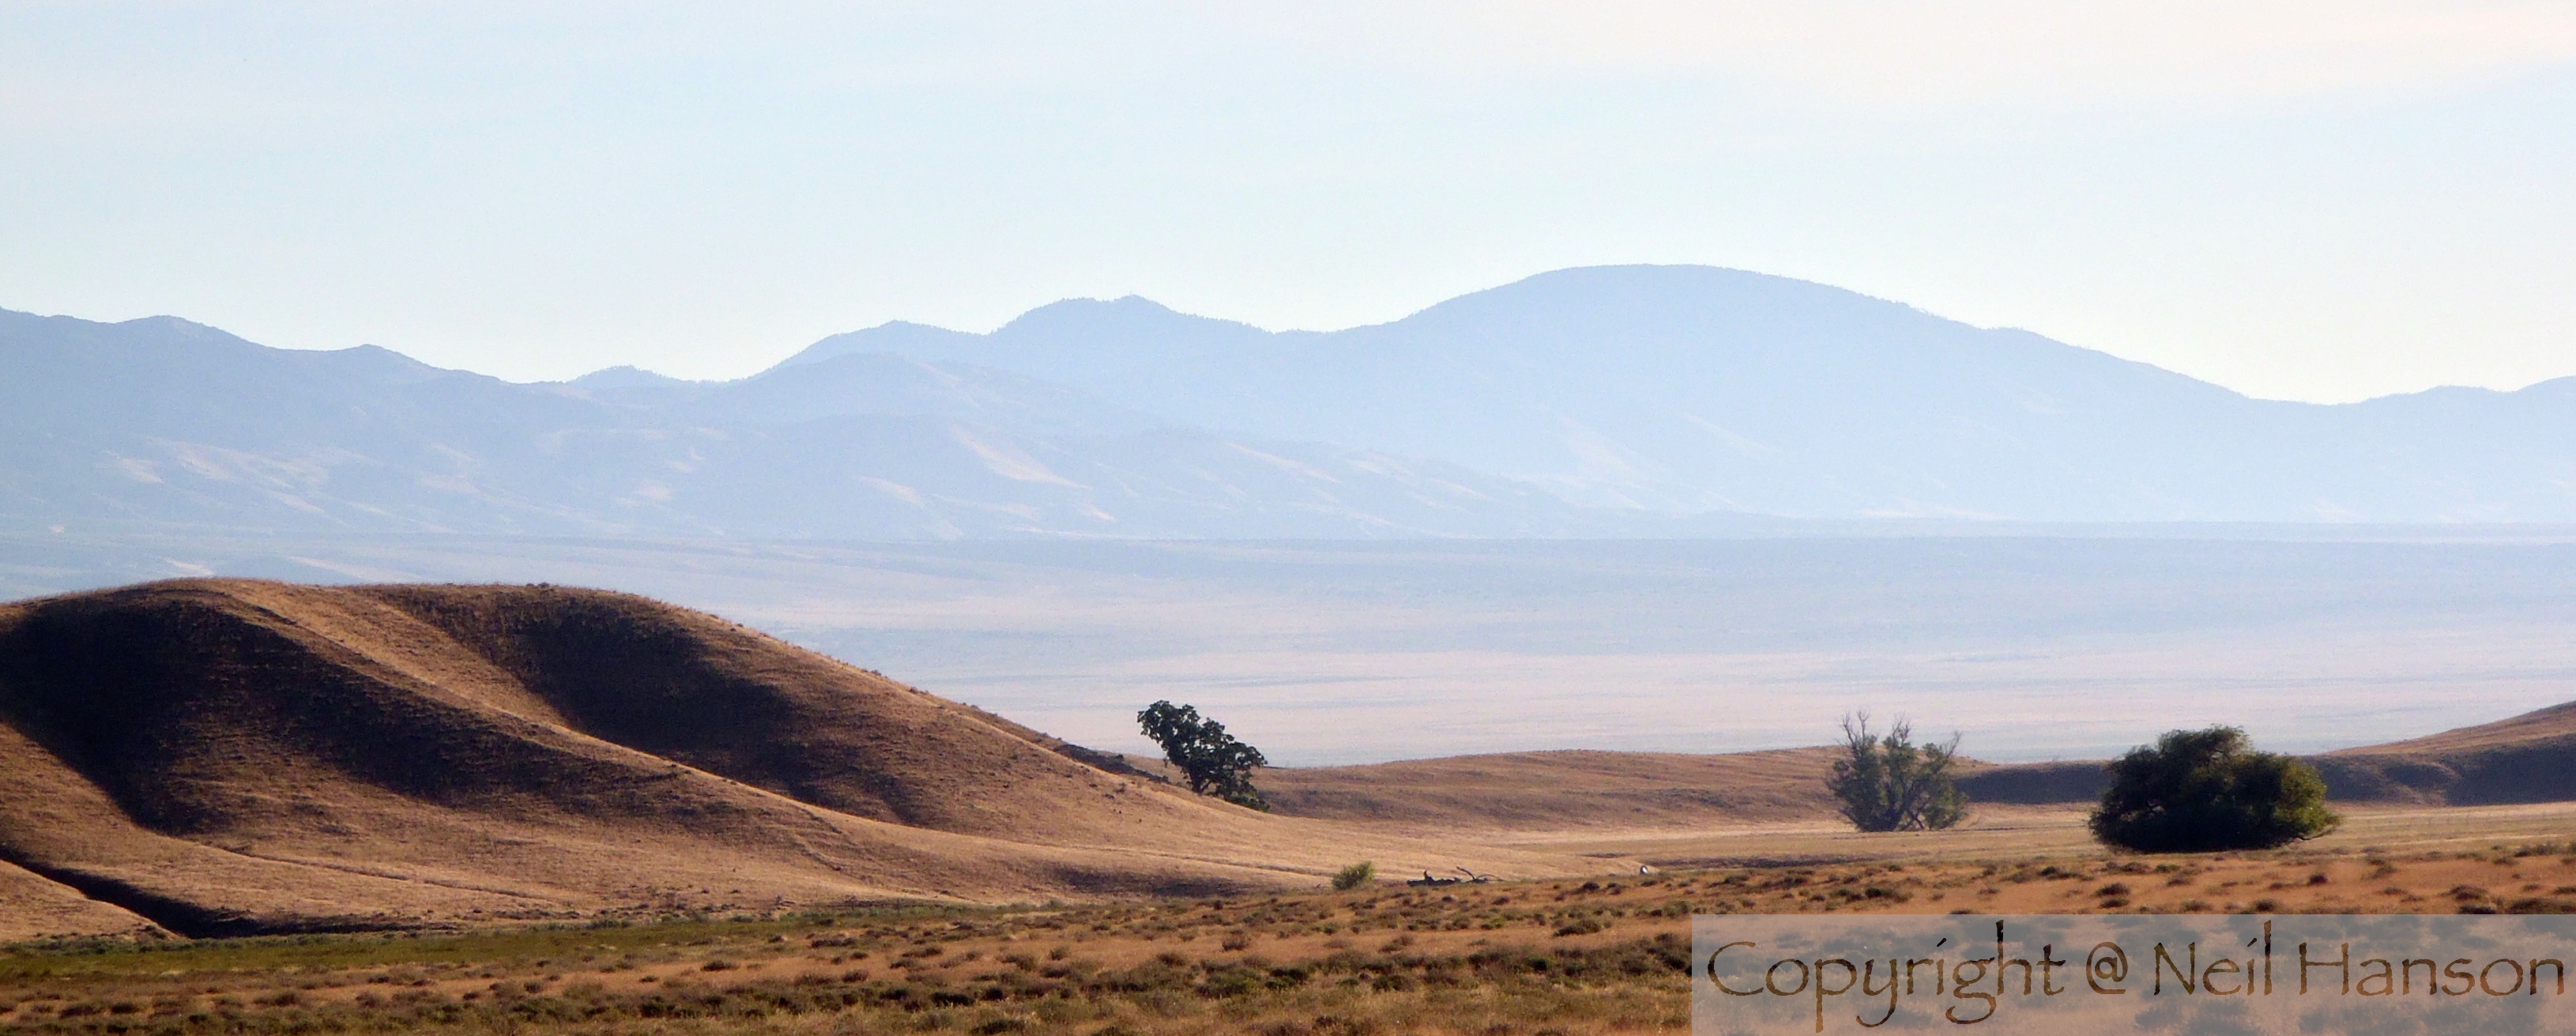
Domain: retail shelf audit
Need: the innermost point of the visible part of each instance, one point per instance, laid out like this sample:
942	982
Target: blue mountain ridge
1606	401
1681	388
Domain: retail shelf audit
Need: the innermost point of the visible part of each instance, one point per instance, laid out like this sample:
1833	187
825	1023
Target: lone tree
2207	790
1892	784
1213	761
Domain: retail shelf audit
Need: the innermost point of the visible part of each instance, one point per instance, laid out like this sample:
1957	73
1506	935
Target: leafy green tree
1889	783
1209	758
2208	790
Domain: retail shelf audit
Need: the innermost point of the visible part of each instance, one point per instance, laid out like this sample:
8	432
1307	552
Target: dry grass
1373	961
229	757
1563	956
223	757
2057	832
1561	790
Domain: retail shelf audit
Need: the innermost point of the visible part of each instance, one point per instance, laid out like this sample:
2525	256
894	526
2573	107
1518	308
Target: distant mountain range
161	422
1590	402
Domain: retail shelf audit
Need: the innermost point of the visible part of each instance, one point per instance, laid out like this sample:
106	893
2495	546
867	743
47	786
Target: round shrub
2208	790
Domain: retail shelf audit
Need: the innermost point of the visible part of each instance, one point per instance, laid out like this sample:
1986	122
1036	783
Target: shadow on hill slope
232	756
2527	758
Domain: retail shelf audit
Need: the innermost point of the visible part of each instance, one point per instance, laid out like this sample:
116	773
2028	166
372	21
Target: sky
2314	199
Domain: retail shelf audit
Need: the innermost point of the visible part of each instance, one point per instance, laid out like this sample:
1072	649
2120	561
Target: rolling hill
232	756
2526	758
214	757
1561	790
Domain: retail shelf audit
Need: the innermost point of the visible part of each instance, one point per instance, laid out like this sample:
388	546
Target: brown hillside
691	687
231	756
2050	783
2527	758
1563	790
2543	726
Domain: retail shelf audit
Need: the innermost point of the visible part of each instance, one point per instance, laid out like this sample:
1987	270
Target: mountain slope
1694	388
1607	401
161	419
226	756
881	383
160	423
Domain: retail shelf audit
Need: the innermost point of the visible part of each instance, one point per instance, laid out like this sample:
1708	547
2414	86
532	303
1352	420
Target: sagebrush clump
1354	876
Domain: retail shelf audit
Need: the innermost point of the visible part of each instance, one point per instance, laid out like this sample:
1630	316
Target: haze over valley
1687	509
2038	646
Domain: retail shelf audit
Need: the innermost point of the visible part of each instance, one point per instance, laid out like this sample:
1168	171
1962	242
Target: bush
1892	784
2208	790
1354	876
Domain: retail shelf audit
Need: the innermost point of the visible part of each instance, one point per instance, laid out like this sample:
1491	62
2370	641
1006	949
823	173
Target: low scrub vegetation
1354	876
1569	957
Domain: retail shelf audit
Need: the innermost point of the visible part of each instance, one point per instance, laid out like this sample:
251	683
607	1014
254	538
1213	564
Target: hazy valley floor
2071	643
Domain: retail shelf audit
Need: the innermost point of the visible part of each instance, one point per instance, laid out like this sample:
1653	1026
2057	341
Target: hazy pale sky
2317	200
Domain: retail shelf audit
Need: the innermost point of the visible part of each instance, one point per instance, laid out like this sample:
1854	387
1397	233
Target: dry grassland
1489	959
232	757
593	813
2005	832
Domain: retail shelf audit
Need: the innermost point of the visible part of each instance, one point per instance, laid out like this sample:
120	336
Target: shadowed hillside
225	756
233	756
2527	758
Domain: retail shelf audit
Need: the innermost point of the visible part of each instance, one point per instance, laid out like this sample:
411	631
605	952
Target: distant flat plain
2035	642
